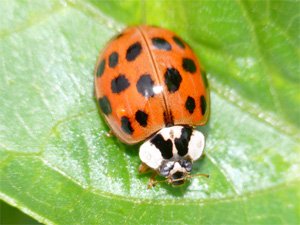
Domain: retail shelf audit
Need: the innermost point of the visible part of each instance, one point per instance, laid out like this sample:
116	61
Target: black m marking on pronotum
182	143
164	146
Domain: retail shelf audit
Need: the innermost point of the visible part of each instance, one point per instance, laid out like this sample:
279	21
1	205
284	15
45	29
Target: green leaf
58	166
12	215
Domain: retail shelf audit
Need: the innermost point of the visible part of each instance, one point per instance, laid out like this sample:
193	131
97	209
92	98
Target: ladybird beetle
150	86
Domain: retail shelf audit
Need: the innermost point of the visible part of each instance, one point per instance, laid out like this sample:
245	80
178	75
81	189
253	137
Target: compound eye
165	168
187	164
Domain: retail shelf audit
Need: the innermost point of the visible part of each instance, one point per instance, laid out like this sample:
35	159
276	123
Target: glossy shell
148	78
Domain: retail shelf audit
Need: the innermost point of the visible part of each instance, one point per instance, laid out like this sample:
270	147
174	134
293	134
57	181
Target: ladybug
150	86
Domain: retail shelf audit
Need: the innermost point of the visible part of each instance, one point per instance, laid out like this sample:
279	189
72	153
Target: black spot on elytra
203	104
204	78
126	125
188	65
145	86
141	117
178	42
190	104
161	43
105	105
113	60
172	79
100	69
165	147
182	143
119	84
133	51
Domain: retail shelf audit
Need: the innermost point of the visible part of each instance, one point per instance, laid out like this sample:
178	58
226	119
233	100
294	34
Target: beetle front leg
152	179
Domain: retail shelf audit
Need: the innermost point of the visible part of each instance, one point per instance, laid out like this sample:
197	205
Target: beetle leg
109	134
152	179
143	168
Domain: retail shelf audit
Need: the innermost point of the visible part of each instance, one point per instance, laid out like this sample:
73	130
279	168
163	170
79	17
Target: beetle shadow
205	130
98	108
176	191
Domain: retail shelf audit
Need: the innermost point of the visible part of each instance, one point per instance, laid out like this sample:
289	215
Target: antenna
171	181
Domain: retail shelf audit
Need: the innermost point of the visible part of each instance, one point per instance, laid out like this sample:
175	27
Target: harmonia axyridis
150	86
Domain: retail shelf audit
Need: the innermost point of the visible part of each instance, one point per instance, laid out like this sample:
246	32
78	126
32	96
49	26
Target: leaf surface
58	166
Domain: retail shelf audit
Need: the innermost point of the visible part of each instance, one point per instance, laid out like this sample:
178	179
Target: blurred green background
58	167
12	215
